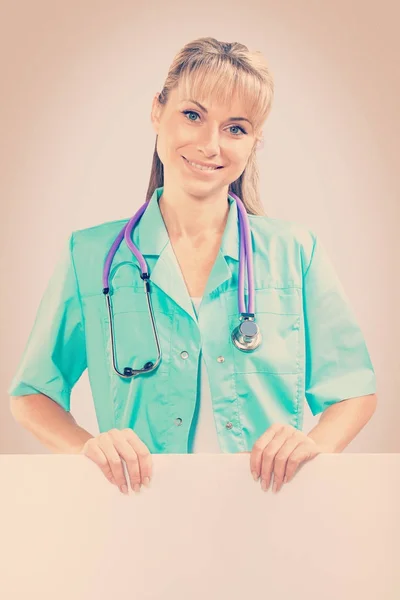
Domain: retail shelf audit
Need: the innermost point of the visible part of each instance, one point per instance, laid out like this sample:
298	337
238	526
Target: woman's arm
342	421
53	426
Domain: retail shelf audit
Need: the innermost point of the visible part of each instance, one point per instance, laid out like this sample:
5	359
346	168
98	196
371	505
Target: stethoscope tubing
245	259
245	339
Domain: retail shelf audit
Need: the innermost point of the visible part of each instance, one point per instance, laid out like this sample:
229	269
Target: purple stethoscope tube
246	336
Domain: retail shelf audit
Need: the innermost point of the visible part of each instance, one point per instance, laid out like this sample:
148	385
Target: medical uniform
312	347
203	434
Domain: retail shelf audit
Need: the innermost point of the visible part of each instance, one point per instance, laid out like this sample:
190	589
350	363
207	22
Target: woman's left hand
281	450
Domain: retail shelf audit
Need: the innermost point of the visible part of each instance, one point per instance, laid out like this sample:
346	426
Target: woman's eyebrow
206	111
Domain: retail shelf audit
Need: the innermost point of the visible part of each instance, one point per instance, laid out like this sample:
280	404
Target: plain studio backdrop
77	81
76	144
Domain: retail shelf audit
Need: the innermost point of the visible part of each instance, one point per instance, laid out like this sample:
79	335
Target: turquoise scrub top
312	347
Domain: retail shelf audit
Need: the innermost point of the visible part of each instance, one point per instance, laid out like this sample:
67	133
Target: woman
208	120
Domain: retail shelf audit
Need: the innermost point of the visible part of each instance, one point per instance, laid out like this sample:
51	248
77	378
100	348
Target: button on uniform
220	359
229	425
184	354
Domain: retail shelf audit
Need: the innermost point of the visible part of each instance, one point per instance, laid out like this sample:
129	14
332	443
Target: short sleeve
338	365
55	354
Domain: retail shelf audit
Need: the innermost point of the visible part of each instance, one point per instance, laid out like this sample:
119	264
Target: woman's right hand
110	448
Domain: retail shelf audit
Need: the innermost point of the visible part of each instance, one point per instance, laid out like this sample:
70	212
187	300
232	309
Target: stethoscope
246	336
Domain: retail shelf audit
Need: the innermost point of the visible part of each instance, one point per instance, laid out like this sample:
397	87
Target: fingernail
285	480
146	481
264	485
274	486
136	487
124	489
255	476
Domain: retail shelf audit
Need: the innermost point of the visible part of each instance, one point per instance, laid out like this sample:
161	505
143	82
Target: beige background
76	145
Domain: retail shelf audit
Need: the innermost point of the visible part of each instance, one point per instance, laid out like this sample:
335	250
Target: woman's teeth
201	167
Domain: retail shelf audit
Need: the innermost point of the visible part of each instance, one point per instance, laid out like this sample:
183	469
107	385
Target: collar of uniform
152	235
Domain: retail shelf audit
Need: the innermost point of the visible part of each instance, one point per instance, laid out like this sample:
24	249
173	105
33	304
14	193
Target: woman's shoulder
271	230
96	239
100	231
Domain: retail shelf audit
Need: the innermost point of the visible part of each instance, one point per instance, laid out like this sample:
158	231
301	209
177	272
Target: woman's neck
191	217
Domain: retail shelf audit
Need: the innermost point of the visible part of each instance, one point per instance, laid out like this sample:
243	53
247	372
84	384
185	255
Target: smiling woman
250	314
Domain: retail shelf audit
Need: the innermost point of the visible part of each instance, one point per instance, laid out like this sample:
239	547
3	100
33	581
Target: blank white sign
203	530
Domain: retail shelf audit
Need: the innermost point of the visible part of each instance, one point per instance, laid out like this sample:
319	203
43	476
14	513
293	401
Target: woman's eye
193	112
237	127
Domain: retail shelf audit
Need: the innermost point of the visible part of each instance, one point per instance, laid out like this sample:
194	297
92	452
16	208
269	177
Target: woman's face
206	134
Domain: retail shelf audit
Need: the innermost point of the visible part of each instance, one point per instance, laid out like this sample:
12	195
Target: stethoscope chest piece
246	336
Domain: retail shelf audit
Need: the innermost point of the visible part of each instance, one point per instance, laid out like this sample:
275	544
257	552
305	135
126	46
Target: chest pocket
278	316
133	333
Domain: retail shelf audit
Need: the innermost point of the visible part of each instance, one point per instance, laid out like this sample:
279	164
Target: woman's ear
156	113
260	141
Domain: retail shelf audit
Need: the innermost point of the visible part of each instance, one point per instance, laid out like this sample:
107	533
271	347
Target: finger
301	454
95	453
114	459
128	453
143	454
258	448
281	460
268	457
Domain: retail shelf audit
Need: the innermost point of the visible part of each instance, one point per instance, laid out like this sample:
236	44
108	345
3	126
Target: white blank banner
203	530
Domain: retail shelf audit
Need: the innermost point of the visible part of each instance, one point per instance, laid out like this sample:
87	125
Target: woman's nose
209	141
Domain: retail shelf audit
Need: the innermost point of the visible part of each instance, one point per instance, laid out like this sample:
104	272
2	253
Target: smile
196	167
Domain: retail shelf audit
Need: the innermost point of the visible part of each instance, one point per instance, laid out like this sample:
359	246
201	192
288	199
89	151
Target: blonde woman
176	364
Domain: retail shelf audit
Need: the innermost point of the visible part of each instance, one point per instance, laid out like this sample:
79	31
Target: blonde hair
206	67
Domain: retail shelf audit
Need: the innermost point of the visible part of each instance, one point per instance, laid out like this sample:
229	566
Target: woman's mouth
199	168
